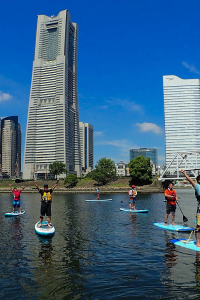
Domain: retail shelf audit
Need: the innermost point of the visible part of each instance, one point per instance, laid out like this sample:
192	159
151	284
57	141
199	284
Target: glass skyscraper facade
10	147
151	153
182	117
87	146
53	119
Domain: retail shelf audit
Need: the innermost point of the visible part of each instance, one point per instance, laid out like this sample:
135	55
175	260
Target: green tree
57	168
140	170
104	170
71	180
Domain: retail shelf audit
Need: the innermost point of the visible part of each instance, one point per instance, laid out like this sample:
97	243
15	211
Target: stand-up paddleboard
44	230
15	214
178	228
95	200
134	211
190	245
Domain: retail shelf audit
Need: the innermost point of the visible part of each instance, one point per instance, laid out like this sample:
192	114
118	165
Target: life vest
170	193
46	197
16	195
131	193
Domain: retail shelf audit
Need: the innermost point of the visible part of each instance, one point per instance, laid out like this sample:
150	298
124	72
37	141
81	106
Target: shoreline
90	191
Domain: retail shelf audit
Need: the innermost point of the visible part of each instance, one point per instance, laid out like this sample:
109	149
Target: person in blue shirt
98	193
196	186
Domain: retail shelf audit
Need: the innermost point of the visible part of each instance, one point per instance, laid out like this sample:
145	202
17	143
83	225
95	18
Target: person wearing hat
46	200
132	196
16	194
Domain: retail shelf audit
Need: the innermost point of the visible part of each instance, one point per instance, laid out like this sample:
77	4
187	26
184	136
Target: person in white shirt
132	196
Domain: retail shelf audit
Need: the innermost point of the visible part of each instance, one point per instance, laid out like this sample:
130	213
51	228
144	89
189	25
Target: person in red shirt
16	195
172	199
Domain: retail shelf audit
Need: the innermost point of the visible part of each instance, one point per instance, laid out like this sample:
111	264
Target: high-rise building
10	147
151	153
53	118
86	141
182	117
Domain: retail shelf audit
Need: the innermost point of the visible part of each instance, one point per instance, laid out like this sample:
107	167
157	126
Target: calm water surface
98	252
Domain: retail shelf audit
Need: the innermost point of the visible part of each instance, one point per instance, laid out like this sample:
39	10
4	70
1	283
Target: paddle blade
185	219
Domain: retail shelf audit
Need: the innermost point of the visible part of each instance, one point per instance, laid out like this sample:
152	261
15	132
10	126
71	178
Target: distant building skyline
10	147
52	132
182	117
151	153
87	146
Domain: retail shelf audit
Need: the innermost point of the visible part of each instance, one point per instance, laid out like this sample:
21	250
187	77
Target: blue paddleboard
15	214
44	230
95	200
134	211
178	228
190	245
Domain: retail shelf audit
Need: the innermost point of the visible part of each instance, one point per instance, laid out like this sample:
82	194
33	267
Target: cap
133	186
45	184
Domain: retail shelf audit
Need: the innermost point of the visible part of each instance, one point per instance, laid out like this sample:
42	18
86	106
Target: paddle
124	199
184	217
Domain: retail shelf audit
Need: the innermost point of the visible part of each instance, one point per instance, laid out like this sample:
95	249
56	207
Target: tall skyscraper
182	116
10	147
151	153
86	140
53	118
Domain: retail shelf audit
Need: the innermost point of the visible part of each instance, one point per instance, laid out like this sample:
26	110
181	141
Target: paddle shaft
184	217
124	199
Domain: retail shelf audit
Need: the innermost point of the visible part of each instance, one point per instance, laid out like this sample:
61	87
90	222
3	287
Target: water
97	252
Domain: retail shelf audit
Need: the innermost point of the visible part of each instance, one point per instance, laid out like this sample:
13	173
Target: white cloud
191	68
146	127
4	96
127	104
98	133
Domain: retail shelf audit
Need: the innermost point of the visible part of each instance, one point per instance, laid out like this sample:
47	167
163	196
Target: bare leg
41	219
173	218
20	210
166	217
49	221
197	237
13	208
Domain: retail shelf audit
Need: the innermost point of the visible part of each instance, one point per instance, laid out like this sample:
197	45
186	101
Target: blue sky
125	47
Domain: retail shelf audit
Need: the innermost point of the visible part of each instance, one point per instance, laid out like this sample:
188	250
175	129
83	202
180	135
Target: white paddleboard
95	200
44	230
134	211
190	245
178	228
15	214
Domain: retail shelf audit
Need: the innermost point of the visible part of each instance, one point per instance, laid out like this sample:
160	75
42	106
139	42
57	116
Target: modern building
122	169
87	146
182	118
151	153
52	132
10	147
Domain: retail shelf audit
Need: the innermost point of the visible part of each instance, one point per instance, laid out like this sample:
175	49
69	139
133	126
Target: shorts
45	209
171	208
16	203
132	200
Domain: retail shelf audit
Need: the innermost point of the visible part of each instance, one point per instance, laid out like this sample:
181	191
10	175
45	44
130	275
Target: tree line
140	171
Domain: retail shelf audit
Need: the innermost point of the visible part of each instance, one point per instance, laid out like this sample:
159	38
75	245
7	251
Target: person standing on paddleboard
197	194
98	192
132	196
46	200
16	195
172	199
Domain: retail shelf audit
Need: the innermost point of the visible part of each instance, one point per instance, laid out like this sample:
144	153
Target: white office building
53	119
87	146
182	118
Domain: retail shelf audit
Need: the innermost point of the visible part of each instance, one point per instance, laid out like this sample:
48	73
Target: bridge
189	161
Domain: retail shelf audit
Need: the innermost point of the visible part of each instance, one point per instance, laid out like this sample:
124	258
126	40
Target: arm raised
188	178
53	188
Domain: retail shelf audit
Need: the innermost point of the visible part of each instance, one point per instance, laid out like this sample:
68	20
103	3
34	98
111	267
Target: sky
124	49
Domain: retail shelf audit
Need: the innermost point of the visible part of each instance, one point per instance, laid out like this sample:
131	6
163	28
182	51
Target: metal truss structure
189	161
